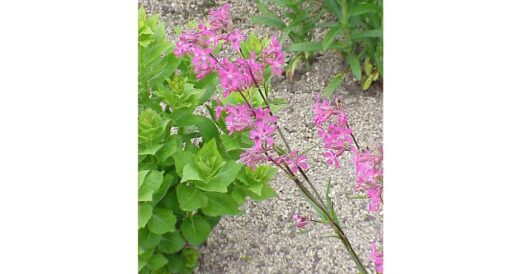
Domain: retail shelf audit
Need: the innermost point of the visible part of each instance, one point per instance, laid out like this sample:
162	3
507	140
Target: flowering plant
188	173
237	144
244	111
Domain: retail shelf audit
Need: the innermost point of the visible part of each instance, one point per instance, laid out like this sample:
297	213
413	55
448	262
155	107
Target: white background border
456	136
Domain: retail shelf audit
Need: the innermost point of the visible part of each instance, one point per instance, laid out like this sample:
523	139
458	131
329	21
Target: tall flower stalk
245	75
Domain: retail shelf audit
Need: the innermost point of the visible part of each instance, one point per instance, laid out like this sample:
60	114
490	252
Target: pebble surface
265	240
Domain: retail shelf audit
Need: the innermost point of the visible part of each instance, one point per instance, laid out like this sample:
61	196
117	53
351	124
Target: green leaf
157	261
150	127
206	127
332	6
238	194
168	149
208	160
145	211
169	180
147	239
222	179
305	46
330	37
329	202
355	65
266	193
220	204
333	84
171	242
368	66
176	263
141	177
150	150
191	256
195	229
375	33
190	198
152	182
368	82
141	264
268	21
190	173
356	10
182	158
162	221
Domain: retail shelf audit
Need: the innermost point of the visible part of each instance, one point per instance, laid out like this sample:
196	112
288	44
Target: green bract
188	173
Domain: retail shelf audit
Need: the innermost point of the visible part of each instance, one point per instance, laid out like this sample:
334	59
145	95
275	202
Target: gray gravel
264	240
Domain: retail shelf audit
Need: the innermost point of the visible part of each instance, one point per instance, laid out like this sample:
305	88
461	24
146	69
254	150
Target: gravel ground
264	240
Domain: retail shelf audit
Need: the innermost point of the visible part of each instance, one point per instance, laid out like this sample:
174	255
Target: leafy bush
355	30
188	176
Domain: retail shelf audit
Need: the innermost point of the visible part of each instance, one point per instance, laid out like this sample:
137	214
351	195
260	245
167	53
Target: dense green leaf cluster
353	27
188	174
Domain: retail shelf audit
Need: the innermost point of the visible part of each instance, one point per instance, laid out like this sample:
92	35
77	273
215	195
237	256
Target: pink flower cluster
337	138
369	175
299	220
238	75
262	125
235	75
377	258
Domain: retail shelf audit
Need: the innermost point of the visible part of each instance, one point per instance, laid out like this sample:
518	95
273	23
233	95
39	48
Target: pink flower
299	220
251	69
218	109
337	137
182	48
273	55
207	37
231	77
377	258
235	37
262	133
294	160
252	157
374	194
323	111
264	115
238	118
202	62
331	158
220	17
366	168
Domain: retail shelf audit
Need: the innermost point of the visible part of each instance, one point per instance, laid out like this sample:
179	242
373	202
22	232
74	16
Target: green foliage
301	20
188	174
352	27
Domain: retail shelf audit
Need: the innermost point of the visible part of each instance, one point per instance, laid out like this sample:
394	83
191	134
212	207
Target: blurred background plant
354	28
302	18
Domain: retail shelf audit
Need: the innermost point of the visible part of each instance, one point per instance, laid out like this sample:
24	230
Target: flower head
299	220
262	133
377	258
273	56
235	37
238	118
231	77
295	160
202	62
331	158
220	17
367	168
252	157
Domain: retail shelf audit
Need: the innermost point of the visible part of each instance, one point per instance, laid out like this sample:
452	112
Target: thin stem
353	137
318	202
